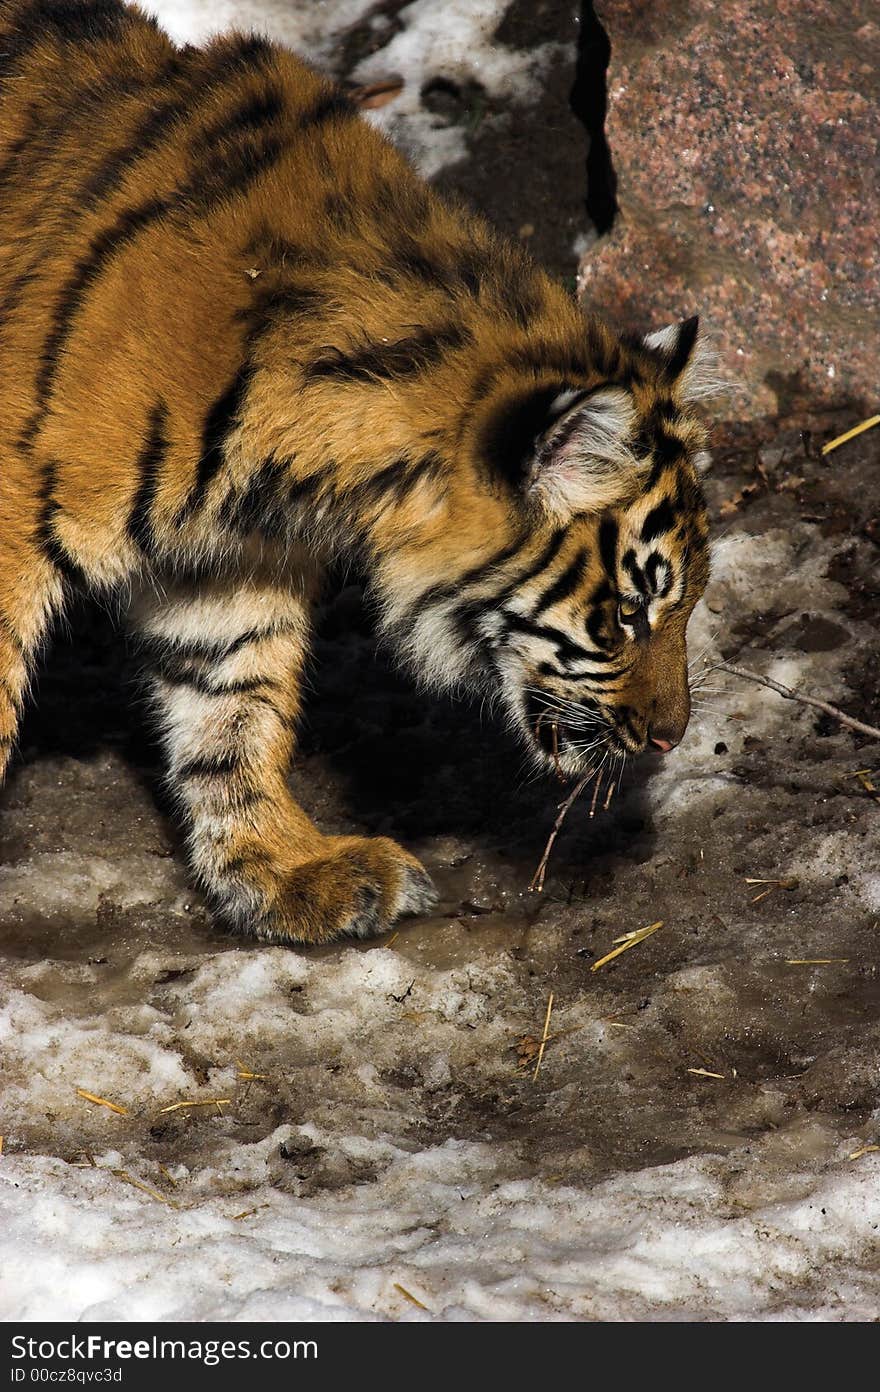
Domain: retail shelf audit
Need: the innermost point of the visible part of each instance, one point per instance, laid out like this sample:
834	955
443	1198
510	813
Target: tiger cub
239	337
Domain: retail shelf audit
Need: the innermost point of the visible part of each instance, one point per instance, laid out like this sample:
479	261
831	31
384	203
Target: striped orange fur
239	338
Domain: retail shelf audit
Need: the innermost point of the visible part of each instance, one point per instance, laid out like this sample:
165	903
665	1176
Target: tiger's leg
31	592
227	660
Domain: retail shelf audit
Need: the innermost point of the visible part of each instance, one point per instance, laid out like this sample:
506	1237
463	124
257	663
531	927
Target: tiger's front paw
358	888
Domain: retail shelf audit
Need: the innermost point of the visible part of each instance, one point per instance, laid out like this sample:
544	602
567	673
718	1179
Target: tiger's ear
689	361
583	461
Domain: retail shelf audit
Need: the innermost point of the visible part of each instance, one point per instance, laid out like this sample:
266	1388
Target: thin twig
786	691
537	883
544	1037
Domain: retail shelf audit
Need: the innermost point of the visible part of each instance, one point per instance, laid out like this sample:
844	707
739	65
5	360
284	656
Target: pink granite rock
746	140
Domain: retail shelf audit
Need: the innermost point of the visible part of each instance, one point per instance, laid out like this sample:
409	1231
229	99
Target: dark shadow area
86	694
417	765
589	102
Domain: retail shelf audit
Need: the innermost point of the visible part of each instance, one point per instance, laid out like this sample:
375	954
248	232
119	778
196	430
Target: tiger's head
577	617
590	646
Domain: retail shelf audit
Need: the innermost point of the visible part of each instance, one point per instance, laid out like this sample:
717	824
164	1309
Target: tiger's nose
664	745
664	737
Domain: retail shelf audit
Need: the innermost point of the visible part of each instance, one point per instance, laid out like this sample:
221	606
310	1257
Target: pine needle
813	961
102	1102
411	1298
544	1037
704	1073
138	1184
630	940
246	1073
851	434
205	1102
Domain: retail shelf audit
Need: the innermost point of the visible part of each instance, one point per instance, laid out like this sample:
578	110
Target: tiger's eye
628	611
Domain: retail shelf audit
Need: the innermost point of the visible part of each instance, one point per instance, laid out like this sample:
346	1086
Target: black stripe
659	467
408	258
271	301
103	247
608	535
565	584
629	564
595	627
226	173
569	363
328	108
257	111
221	420
238	797
235	864
307	490
14	295
80	107
178	673
67	20
659	521
34	119
46	538
216	767
340	212
149	464
23	32
112	170
215	651
687	335
667	448
406	357
438	593
392	483
566	649
597	678
401	203
545	558
259	507
79	21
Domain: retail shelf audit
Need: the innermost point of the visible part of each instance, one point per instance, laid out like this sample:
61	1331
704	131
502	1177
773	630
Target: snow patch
451	40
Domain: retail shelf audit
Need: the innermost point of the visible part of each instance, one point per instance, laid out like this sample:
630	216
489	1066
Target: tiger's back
238	335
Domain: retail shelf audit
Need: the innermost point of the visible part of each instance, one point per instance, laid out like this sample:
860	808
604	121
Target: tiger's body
240	338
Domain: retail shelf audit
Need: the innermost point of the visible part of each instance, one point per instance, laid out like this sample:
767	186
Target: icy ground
372	1133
